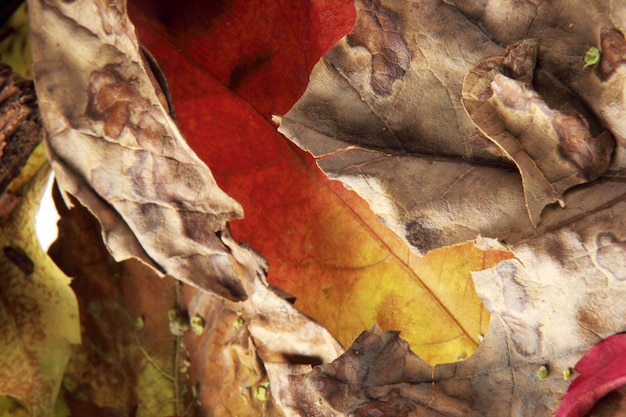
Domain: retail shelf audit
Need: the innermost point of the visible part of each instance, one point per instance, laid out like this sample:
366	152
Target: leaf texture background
400	135
428	168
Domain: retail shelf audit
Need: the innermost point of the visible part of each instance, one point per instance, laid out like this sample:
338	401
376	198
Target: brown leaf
215	352
379	375
560	295
416	153
115	148
546	312
117	151
128	360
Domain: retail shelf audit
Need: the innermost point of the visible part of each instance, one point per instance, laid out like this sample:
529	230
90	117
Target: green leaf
592	57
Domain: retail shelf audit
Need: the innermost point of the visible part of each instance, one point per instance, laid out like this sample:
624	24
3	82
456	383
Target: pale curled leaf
114	147
553	149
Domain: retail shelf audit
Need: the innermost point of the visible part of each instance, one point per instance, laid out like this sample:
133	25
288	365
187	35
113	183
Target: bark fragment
20	125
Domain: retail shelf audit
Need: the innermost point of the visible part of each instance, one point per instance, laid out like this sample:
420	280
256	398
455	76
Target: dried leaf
573	256
132	360
38	310
245	345
367	139
438	176
134	170
545	314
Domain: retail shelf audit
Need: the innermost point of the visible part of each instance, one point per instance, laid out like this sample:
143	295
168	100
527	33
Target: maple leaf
600	371
323	244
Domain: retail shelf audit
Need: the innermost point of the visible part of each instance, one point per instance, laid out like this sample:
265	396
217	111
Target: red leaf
261	50
230	67
601	370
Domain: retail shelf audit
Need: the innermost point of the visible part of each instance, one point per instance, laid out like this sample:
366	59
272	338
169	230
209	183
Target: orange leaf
323	243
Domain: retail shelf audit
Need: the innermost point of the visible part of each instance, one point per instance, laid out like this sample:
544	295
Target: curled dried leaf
554	149
114	147
244	344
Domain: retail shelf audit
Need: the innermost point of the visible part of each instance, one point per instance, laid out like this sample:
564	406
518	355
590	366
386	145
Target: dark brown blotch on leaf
421	236
591	155
520	59
110	96
148	218
246	67
613	51
397	408
379	30
19	258
197	227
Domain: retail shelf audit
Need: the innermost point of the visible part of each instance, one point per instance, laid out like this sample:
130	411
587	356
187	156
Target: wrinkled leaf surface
99	99
431	144
432	112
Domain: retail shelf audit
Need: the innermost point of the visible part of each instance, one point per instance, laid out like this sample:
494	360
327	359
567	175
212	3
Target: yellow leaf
38	310
371	277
